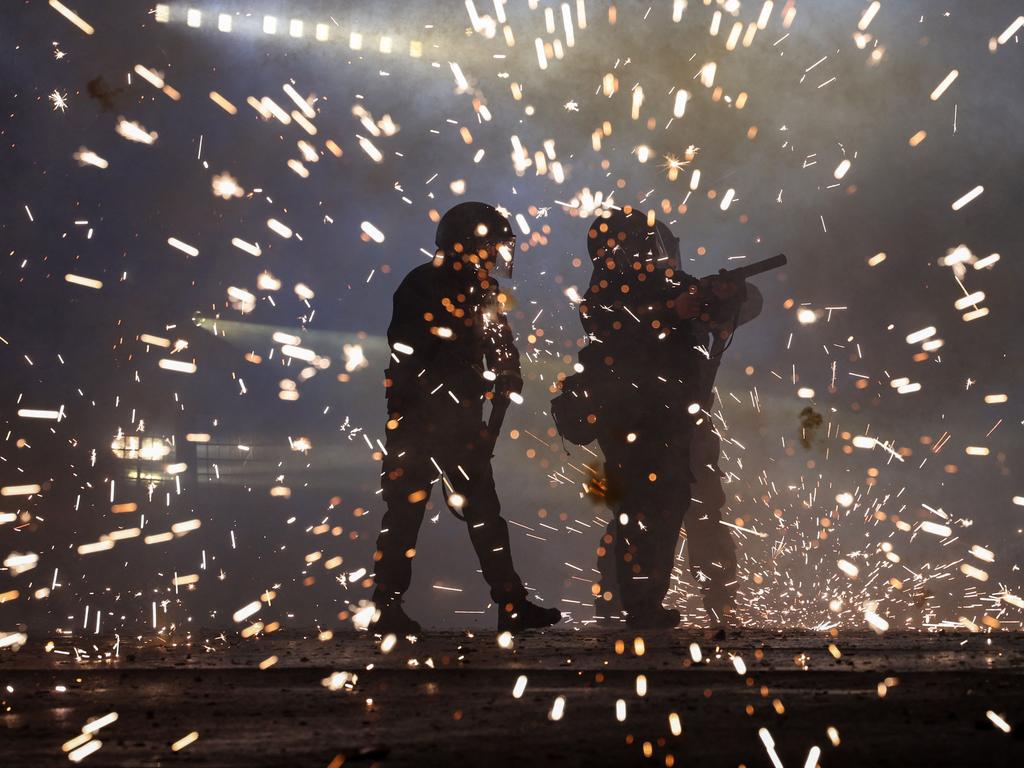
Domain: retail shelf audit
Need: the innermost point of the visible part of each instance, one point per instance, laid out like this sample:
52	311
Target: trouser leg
405	484
648	518
665	544
712	556
646	546
607	597
487	528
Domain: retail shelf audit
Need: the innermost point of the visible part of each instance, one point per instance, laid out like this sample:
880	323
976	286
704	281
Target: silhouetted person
710	547
642	368
451	349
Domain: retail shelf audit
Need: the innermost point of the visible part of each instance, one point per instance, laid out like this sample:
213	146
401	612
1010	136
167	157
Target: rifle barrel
759	267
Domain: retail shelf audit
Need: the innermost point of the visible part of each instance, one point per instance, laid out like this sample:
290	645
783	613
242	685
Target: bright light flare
936	529
918	336
941	87
131	130
177	365
960	202
86	282
71	16
278	228
998	721
86	156
848	568
184	741
188	250
372	232
557	709
520	687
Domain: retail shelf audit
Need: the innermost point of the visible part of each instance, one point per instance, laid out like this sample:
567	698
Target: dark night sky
894	199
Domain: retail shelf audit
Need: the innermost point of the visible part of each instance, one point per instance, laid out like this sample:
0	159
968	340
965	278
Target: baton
499	405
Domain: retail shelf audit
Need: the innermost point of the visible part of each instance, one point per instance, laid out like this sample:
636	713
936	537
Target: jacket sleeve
406	326
597	308
752	307
500	353
411	346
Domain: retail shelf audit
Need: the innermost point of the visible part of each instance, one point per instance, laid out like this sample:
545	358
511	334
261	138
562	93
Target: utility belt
432	392
589	407
578	415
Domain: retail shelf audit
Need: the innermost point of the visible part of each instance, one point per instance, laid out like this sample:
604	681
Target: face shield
502	256
494	246
666	257
645	247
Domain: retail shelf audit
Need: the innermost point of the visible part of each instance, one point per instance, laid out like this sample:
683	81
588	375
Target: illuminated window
270	25
193	17
142	476
139	448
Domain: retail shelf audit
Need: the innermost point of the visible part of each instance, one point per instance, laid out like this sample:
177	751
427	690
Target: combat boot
721	615
522	615
606	613
657	617
720	611
393	619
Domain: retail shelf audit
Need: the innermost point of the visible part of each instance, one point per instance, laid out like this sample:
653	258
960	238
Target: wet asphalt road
448	699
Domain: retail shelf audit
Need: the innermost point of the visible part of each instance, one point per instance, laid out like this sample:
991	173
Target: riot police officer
641	366
451	350
711	551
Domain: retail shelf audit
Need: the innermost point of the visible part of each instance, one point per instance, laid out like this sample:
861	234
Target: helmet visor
646	247
664	256
504	256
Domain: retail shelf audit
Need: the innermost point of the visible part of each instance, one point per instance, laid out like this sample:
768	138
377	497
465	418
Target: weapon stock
724	307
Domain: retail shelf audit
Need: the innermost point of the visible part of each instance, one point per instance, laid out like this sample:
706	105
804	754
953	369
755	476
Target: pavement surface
449	699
